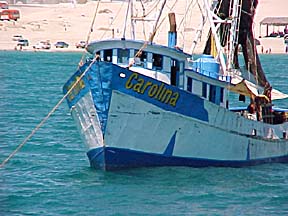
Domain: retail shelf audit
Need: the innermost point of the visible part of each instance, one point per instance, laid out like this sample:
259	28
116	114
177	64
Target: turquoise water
51	173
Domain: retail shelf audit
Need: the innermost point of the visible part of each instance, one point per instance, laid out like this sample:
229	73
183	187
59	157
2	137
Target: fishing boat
141	104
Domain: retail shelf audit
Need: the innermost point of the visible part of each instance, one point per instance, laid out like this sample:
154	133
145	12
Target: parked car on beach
61	44
42	45
81	44
17	37
286	39
9	15
23	42
4	5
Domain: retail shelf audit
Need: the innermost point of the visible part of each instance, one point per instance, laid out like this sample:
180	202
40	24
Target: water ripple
51	174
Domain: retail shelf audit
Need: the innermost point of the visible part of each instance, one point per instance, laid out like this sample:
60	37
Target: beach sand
72	23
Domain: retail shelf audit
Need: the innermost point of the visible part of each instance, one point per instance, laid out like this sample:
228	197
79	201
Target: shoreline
85	52
267	46
55	23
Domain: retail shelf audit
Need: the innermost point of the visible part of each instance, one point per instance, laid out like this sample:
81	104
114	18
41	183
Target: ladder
234	14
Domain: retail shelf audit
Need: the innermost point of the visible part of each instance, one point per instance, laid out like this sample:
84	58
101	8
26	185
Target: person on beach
286	43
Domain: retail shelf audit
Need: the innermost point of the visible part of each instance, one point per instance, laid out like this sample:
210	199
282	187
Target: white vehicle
4	5
42	45
286	38
17	37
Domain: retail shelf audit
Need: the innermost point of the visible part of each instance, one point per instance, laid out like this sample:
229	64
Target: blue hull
108	158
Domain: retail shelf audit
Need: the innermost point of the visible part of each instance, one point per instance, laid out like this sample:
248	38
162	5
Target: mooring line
60	101
47	116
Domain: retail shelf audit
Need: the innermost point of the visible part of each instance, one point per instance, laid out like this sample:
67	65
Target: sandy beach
72	23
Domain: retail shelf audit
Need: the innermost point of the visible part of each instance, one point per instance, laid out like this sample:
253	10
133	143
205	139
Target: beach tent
274	21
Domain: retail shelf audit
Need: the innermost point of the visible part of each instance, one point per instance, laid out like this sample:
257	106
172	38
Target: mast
215	22
235	10
234	22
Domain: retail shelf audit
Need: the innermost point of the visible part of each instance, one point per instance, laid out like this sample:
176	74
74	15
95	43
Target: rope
125	23
184	21
143	8
254	48
156	23
89	33
47	117
153	7
60	101
144	15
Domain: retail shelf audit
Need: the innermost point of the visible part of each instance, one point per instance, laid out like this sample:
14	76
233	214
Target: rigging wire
184	19
199	31
163	19
89	33
60	101
156	27
153	7
254	44
157	21
46	117
125	23
144	15
186	12
112	22
143	8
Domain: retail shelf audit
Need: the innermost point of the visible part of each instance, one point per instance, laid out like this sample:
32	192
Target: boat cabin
156	61
168	65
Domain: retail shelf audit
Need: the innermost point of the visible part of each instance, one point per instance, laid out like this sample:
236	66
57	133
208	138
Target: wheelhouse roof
96	46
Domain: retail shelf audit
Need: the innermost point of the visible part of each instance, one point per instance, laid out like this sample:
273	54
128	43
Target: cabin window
175	72
141	59
97	55
157	61
143	56
189	84
221	95
123	56
204	90
107	55
175	64
212	94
